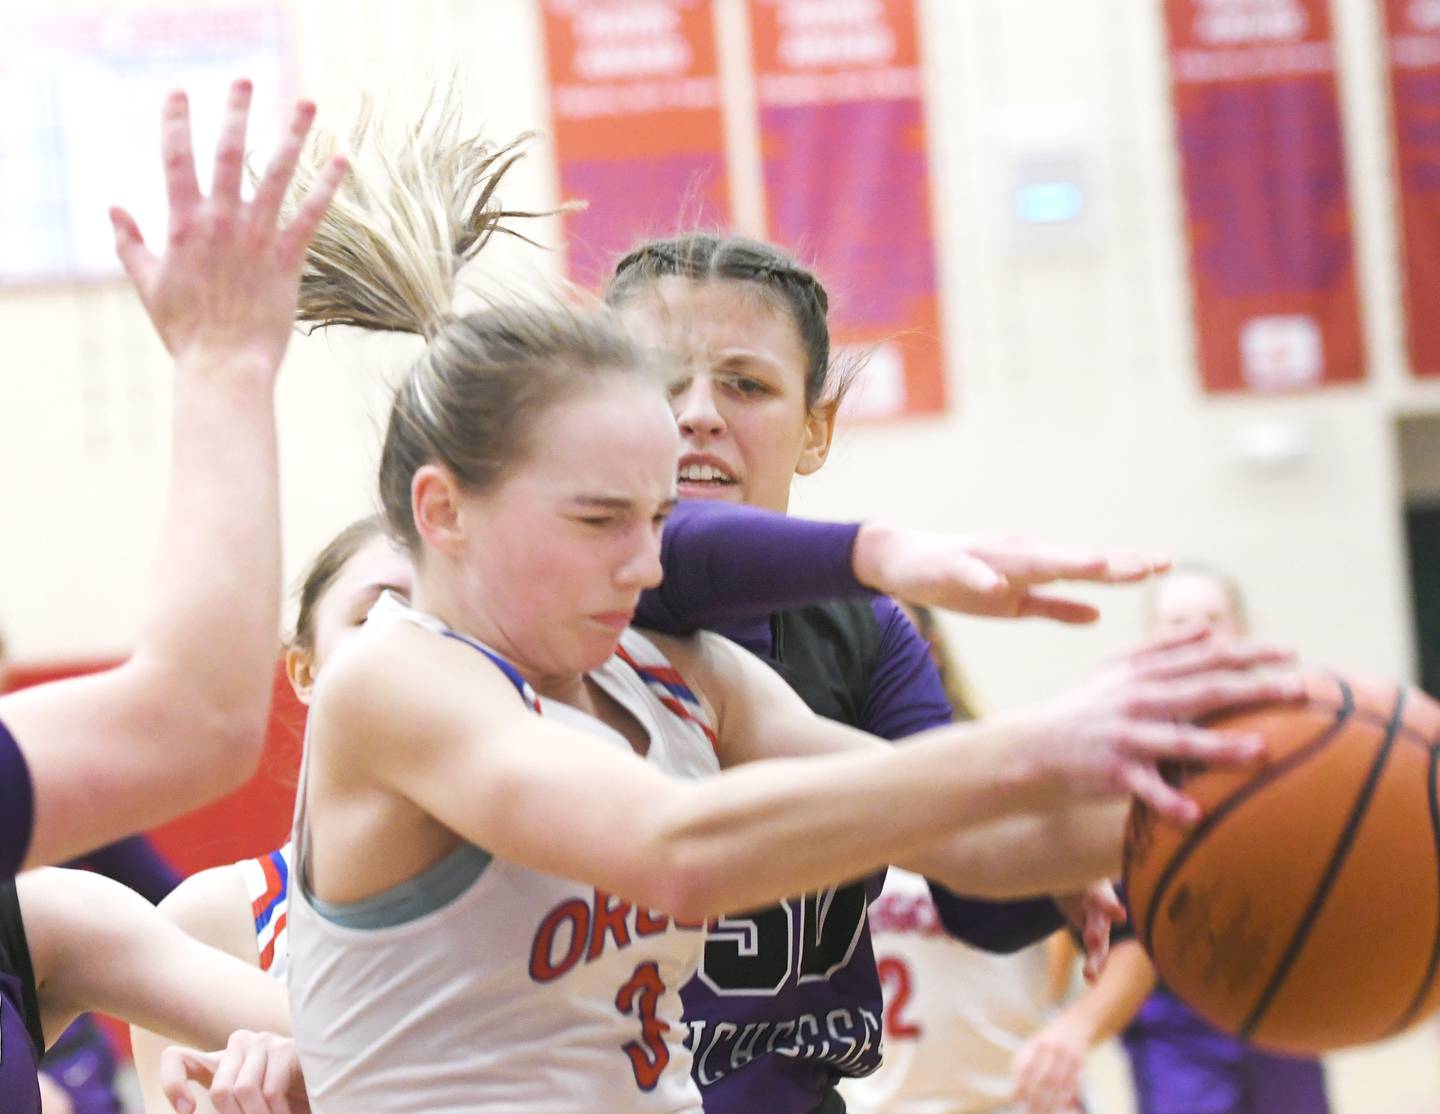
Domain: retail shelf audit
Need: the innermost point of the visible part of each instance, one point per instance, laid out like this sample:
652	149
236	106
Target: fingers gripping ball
1303	911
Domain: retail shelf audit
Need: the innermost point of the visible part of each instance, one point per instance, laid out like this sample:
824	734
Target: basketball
1303	911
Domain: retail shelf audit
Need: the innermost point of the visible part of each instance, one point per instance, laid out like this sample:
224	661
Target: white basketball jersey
954	1016
267	886
523	991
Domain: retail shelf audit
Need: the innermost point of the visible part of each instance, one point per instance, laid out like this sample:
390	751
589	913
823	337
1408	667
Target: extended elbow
215	737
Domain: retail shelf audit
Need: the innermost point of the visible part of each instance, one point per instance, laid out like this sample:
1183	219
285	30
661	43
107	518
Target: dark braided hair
702	256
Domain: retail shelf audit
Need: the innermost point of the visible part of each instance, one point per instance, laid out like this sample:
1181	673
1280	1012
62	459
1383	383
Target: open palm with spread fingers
990	575
1110	735
228	277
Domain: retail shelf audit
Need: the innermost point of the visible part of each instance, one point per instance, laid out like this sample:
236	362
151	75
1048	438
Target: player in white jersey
954	1015
547	956
489	801
243	908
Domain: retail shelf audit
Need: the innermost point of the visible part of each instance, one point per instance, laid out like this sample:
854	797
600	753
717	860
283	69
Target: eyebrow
618	502
379	586
743	357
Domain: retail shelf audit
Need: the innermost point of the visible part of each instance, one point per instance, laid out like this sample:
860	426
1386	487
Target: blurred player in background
243	909
1181	1064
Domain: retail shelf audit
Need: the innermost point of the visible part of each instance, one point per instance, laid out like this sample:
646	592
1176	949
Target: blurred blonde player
954	1015
1180	1063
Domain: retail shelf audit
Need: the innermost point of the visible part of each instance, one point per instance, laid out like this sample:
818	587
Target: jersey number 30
754	953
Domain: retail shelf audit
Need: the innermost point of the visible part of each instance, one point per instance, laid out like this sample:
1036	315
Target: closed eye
747	386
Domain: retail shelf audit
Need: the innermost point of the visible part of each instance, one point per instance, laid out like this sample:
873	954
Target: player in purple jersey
87	760
72	941
77	1074
788	998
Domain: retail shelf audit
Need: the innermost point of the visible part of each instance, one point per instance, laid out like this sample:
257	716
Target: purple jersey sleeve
725	563
905	697
17	806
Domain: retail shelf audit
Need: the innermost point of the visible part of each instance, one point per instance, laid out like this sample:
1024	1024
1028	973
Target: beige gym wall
1076	413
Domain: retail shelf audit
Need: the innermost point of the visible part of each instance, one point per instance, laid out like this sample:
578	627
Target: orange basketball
1303	911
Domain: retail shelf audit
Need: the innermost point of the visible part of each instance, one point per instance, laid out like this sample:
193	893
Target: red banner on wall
639	136
1268	209
1414	56
842	129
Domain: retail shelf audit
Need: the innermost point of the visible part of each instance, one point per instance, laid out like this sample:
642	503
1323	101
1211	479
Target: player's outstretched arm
214	908
182	720
429	719
96	945
725	563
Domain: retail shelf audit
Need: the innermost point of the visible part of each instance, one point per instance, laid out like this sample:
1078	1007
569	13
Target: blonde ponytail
414	210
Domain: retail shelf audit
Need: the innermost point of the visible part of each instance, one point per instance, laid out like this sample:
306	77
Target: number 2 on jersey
640	995
896	984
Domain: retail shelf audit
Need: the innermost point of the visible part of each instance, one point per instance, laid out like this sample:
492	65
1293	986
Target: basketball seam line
1236	799
1332	871
1429	980
1409	734
1365	716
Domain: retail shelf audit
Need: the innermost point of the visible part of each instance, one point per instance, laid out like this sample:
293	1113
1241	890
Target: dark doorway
1420	468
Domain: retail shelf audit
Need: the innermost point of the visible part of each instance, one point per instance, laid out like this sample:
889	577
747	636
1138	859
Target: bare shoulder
404	684
711	664
213	907
739	691
720	666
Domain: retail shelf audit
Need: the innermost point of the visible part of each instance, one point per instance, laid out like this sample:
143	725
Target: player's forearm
1031	853
197	995
213	616
1117	995
772	828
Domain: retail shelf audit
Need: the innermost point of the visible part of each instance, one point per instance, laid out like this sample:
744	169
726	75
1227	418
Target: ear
300	669
819	433
435	503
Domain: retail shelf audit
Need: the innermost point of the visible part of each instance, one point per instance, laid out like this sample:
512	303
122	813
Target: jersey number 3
640	996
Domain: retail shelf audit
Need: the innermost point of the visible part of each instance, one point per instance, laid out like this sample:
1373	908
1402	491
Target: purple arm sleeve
17	806
726	563
133	862
906	696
